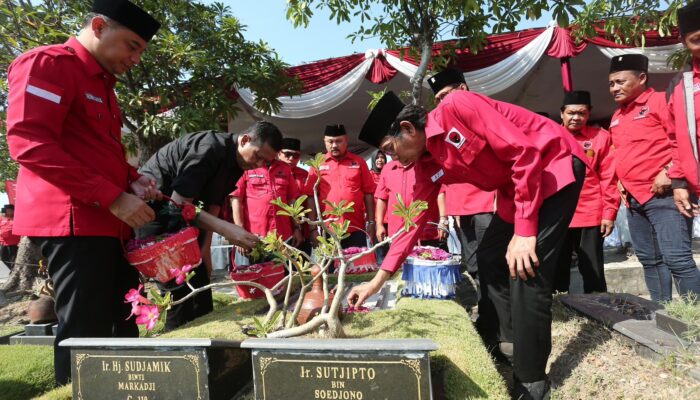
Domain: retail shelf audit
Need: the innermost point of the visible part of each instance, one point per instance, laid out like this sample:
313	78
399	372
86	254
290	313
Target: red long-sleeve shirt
64	129
397	179
494	146
642	146
599	198
347	179
684	164
256	188
467	199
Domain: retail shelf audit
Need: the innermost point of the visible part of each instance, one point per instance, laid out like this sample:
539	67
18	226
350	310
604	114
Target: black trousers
199	305
8	254
519	311
356	239
91	277
588	244
471	230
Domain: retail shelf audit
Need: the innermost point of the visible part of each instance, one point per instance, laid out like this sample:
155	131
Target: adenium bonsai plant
277	323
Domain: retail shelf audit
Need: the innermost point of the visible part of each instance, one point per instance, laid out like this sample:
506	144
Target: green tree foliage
189	68
418	24
626	21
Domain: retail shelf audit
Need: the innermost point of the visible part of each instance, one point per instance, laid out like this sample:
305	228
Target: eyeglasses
291	154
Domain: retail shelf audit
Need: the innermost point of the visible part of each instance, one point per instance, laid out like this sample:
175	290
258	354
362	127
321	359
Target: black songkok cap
689	18
446	77
380	119
129	15
335	130
629	62
577	97
291	144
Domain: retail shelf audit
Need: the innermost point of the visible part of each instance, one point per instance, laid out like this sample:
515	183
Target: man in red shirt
599	200
8	240
77	197
473	210
684	172
290	155
661	236
251	201
397	179
537	168
345	176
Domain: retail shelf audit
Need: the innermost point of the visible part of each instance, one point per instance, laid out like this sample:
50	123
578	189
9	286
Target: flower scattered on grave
353	250
430	253
182	274
138	244
357	310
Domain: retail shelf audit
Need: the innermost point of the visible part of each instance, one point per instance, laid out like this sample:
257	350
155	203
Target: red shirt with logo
257	188
599	198
397	179
684	164
64	129
347	179
494	146
642	146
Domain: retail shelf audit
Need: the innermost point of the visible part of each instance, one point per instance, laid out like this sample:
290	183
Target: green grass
687	309
25	371
465	366
61	393
10	329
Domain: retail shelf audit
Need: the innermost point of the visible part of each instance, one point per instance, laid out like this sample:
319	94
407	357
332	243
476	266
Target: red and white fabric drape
502	62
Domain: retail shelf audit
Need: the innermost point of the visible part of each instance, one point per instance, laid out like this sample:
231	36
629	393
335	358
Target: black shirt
199	165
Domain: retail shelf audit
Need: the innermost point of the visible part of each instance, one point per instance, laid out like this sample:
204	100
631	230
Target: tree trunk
426	46
149	145
25	273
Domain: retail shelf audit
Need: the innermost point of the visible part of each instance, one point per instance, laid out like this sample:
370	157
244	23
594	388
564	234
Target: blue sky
265	20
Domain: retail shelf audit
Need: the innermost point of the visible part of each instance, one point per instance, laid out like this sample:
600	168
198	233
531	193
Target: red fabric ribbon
321	73
381	70
496	49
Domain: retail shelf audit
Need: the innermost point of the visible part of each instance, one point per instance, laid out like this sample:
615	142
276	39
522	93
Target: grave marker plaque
341	369
150	369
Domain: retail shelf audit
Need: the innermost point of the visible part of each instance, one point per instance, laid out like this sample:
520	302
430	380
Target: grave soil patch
14	313
588	361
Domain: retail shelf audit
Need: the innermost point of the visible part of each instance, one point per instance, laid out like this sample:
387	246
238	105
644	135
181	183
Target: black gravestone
341	369
150	369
